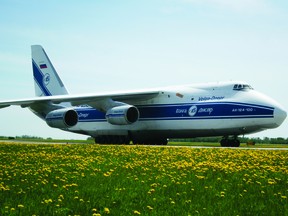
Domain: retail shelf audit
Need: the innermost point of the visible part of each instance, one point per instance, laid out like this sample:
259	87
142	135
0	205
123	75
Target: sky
108	45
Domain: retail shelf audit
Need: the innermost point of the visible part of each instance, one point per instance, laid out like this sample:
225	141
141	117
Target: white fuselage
219	109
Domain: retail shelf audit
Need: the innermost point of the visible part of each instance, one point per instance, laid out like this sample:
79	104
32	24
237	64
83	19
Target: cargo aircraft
226	109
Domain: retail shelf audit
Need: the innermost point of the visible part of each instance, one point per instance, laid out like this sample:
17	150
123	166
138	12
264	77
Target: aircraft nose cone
279	115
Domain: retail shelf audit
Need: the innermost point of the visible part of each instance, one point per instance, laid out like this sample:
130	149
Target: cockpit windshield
242	87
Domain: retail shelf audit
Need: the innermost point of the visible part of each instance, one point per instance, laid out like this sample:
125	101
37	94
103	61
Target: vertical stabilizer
46	80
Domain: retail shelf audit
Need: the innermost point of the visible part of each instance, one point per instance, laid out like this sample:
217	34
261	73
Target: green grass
86	179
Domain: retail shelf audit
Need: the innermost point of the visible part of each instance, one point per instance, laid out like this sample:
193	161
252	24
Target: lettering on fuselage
193	110
206	110
211	98
83	115
249	109
181	111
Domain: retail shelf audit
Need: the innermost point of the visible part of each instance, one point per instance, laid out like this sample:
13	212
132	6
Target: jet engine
62	118
122	115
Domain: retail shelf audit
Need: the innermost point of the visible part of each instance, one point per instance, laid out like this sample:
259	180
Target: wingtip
4	106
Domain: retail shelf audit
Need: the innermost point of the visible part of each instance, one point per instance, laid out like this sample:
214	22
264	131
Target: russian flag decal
43	66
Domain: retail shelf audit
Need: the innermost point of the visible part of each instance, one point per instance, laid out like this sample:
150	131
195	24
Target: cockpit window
242	87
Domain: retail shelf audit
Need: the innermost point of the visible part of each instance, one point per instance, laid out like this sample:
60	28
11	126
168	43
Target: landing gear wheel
235	143
226	142
112	139
155	141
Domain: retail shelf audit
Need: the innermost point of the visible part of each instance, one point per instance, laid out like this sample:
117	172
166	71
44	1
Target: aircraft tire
225	142
235	143
150	141
112	139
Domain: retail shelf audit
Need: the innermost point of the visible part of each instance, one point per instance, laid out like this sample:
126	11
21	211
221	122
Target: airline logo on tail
47	81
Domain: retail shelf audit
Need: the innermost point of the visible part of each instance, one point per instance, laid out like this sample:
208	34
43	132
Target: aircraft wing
93	100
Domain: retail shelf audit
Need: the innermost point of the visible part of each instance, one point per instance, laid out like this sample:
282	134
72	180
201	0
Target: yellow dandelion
200	177
48	201
149	207
20	206
106	210
137	212
271	181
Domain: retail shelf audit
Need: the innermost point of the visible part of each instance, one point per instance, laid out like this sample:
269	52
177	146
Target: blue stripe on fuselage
207	110
193	111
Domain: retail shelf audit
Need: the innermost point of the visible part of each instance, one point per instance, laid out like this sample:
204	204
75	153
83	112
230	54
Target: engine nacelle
122	115
62	118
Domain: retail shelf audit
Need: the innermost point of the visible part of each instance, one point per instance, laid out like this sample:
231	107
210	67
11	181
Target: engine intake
122	115
62	118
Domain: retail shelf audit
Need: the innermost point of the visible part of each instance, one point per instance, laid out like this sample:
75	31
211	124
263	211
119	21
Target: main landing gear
230	142
125	140
152	141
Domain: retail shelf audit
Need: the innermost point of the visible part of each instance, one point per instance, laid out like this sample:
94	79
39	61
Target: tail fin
46	80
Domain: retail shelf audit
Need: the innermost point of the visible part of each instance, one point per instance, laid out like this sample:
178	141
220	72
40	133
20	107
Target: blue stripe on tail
39	79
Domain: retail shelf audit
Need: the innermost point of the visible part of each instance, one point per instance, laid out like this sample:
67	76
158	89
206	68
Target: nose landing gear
230	142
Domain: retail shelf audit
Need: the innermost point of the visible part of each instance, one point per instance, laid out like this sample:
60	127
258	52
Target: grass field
46	179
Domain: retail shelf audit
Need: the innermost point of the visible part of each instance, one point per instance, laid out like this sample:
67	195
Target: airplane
226	109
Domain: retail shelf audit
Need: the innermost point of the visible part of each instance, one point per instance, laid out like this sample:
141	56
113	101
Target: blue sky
116	45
